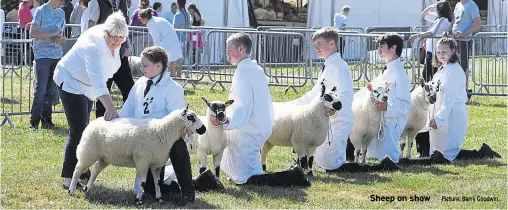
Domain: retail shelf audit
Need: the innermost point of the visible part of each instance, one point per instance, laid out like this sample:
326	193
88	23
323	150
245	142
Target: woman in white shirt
164	35
81	77
441	21
448	117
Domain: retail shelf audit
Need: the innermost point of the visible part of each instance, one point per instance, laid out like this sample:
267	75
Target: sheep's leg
202	161
302	157
216	162
364	154
357	154
402	144
81	166
410	140
141	172
264	153
156	177
310	153
99	166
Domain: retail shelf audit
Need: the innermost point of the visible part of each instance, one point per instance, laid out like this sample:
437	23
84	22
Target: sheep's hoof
71	192
85	189
264	167
310	174
138	201
159	200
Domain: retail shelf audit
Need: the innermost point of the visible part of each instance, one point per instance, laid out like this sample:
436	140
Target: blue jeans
45	88
77	111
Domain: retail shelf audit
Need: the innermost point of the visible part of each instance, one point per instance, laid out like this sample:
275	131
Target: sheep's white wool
417	119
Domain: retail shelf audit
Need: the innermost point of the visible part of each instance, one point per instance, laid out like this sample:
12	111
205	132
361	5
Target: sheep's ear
229	102
369	86
184	112
334	89
387	86
206	101
422	81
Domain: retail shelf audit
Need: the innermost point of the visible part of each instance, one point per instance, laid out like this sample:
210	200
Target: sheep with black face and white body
214	141
421	98
135	143
368	118
303	127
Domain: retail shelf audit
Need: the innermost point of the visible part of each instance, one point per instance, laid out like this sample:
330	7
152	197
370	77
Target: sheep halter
381	125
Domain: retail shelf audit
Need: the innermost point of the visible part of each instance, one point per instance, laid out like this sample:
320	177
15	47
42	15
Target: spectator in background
260	12
181	20
12	16
67	8
77	13
339	21
35	4
46	30
157	6
143	4
84	16
25	16
467	21
271	15
170	15
197	40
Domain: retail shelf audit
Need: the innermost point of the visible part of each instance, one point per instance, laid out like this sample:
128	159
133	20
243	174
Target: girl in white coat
448	116
249	121
155	95
164	35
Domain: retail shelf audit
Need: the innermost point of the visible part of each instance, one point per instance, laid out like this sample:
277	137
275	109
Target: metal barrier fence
490	64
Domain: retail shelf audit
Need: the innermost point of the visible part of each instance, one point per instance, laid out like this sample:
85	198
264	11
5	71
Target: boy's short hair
156	54
241	39
327	33
391	39
346	8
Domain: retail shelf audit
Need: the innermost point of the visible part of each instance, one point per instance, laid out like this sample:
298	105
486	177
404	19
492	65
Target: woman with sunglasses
81	77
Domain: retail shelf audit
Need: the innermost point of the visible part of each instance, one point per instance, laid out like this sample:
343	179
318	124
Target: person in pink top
24	14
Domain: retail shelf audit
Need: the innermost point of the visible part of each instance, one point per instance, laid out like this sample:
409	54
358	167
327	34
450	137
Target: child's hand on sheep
186	132
433	124
111	115
216	122
329	111
382	106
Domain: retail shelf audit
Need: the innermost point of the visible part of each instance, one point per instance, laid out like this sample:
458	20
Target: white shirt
250	122
164	35
84	21
449	111
339	19
399	96
88	65
439	26
163	97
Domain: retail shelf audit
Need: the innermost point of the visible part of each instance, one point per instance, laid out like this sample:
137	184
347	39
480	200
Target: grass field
31	165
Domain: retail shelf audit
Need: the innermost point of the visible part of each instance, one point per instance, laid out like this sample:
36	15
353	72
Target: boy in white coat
249	121
335	73
399	98
155	95
448	116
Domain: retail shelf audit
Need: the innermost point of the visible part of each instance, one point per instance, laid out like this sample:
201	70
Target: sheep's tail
380	133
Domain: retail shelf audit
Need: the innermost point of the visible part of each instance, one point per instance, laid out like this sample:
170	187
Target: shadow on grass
121	198
61	131
296	194
495	105
488	162
433	169
366	178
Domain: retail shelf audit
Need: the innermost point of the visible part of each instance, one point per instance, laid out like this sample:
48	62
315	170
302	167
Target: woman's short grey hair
115	24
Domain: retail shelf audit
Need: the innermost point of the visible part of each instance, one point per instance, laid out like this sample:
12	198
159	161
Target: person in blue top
47	33
181	20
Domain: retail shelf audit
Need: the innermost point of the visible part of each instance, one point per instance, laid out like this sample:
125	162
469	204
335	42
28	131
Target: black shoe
34	122
173	188
47	123
488	152
206	181
438	157
298	176
387	164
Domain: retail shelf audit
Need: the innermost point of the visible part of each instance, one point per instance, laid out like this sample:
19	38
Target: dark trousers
342	44
428	70
464	54
77	111
180	158
45	88
123	79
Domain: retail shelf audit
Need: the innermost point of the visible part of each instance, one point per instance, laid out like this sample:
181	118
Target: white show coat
336	74
395	116
250	122
164	97
449	112
164	35
87	66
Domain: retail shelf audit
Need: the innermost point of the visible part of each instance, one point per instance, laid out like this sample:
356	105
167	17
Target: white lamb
139	143
214	141
367	121
421	98
302	127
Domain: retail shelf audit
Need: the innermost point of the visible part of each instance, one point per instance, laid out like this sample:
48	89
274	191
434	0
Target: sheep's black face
195	123
430	90
218	109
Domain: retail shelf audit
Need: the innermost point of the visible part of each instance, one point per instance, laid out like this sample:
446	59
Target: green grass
32	160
